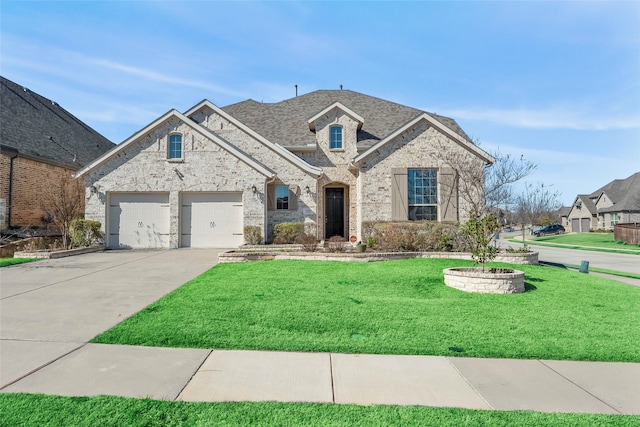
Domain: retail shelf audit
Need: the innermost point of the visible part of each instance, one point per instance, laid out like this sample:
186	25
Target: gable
486	157
173	114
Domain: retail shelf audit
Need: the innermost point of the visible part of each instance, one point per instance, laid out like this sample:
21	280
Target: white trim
435	123
310	169
354	115
187	121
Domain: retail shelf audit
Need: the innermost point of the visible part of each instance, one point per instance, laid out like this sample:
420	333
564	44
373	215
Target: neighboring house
331	159
563	216
616	202
39	142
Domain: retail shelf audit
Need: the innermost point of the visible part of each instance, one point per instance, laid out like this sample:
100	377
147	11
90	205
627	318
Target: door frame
345	209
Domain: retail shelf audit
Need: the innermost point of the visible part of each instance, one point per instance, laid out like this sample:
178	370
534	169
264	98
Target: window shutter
448	194
293	197
271	197
399	202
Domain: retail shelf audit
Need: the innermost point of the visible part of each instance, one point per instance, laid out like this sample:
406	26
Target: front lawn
105	411
5	262
391	307
589	241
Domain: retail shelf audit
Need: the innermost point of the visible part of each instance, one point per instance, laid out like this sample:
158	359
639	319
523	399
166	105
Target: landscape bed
41	410
392	307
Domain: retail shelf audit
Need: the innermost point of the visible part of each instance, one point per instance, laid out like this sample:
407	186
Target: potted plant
480	231
361	247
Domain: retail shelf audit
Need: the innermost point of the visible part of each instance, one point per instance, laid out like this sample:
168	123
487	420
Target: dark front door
334	212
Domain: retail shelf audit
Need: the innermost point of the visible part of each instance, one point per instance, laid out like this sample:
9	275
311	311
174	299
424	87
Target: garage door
138	220
586	225
211	220
575	225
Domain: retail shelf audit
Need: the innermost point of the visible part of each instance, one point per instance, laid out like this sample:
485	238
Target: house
331	159
39	142
616	202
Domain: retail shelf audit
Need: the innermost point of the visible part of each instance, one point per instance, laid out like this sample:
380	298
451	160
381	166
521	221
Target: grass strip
5	262
105	411
391	307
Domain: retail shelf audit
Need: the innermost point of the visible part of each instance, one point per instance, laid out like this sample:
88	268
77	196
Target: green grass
42	411
602	242
391	307
5	262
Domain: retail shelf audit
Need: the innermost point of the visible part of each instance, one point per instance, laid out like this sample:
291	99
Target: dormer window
175	147
335	137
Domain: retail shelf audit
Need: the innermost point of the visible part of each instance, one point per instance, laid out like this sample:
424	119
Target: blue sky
557	82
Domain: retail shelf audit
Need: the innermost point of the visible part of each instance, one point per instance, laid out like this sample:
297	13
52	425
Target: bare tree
535	203
485	188
63	203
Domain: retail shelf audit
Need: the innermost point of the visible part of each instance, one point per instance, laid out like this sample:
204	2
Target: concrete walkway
49	310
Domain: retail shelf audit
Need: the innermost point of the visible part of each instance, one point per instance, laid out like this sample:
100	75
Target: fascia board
176	114
310	169
489	160
347	110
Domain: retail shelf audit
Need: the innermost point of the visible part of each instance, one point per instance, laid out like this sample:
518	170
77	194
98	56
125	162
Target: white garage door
139	220
211	220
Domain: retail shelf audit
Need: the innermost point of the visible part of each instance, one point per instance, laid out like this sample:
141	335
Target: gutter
15	154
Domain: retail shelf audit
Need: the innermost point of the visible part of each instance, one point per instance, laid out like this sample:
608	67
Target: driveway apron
50	308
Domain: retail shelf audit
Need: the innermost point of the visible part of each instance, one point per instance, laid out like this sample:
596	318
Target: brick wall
30	180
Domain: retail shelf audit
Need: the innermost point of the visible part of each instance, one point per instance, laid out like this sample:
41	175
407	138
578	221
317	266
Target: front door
334	212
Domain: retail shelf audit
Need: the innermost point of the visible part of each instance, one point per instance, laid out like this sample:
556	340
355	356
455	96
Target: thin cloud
551	118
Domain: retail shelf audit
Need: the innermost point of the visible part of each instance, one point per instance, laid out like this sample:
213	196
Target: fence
628	233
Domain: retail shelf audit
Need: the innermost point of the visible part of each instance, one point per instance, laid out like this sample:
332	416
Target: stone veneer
491	281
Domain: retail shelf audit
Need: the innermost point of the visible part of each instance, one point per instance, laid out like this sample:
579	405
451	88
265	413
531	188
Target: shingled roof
286	122
39	128
623	193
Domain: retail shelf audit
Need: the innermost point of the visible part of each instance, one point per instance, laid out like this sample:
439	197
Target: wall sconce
254	189
307	189
93	189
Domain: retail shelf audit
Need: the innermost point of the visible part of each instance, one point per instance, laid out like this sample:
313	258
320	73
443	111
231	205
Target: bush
422	236
309	243
336	244
84	232
252	235
286	232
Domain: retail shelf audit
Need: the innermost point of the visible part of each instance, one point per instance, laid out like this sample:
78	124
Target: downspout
10	201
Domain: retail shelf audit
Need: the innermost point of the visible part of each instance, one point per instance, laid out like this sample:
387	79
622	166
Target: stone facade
222	154
474	280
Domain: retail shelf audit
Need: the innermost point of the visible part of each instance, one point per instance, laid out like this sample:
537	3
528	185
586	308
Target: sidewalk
231	375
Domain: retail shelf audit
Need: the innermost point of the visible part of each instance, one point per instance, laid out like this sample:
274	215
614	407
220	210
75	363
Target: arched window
335	137
175	146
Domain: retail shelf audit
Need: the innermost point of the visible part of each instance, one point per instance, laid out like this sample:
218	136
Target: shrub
252	235
84	232
480	231
336	244
286	232
309	242
423	236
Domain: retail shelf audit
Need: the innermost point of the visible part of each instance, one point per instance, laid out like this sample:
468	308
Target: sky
555	82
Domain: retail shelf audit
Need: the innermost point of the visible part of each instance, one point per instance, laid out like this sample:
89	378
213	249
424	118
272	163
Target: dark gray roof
587	203
286	122
623	193
38	128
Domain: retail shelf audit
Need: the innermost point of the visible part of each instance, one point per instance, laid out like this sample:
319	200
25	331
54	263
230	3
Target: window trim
434	202
341	147
175	159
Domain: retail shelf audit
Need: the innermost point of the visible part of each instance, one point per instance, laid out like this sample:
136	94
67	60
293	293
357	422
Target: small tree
480	231
535	203
63	203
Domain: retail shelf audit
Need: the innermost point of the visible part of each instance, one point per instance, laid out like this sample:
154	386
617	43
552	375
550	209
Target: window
175	146
614	219
335	135
422	190
282	197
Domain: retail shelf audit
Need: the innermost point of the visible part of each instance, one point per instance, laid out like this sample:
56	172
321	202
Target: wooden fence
628	233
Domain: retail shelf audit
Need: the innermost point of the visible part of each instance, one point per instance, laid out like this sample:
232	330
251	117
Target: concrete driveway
52	307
